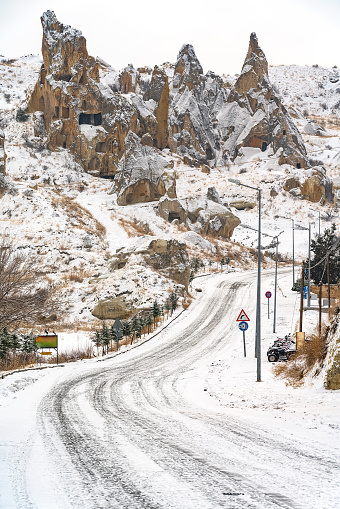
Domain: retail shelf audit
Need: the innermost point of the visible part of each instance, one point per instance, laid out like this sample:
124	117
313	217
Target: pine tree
173	301
127	330
97	339
29	343
155	311
148	321
328	243
114	337
167	307
5	343
106	338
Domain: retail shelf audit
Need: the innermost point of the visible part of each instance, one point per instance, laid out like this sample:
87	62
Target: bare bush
308	360
23	297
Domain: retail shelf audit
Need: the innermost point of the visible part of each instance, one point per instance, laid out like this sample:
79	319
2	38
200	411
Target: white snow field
177	422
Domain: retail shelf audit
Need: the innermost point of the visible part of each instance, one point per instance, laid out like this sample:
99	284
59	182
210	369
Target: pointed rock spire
259	118
188	70
64	52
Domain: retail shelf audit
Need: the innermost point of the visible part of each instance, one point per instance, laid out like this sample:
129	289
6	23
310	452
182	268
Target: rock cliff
80	114
254	115
103	118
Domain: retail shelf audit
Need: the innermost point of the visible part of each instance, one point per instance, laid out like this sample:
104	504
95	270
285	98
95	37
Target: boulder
113	308
313	184
242	204
209	217
140	174
213	195
2	152
254	115
168	257
171	209
314	129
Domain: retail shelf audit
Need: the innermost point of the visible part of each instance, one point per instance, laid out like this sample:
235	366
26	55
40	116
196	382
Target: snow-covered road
149	428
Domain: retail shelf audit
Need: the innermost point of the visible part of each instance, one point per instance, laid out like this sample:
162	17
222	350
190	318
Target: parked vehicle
282	349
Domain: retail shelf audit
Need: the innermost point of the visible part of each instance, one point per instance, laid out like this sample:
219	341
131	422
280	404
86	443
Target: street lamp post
258	298
293	253
308	294
274	321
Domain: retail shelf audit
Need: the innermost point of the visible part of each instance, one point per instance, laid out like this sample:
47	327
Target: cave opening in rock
66	77
84	118
65	112
57	111
172	216
64	144
298	166
209	153
90	118
97	119
284	132
100	147
264	146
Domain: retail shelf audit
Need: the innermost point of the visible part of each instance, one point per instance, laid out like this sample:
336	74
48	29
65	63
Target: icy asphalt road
141	431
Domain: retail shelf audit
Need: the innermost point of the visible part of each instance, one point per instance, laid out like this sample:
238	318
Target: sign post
268	295
243	326
48	341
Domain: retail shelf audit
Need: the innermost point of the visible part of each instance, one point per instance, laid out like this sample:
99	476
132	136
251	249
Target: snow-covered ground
72	222
179	421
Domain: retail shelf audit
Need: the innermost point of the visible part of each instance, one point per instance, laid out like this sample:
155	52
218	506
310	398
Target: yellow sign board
45	353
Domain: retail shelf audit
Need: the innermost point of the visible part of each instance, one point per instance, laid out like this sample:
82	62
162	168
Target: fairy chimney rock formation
188	70
255	116
80	114
158	91
64	52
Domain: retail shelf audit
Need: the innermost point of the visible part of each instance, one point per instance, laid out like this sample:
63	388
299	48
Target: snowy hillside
72	222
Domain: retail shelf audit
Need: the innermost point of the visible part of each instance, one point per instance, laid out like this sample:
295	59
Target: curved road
141	431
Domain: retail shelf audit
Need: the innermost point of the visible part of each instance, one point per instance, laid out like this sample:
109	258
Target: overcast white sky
151	32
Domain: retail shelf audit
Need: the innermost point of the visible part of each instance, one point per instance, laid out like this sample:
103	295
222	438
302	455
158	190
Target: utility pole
258	298
320	305
329	288
293	253
319	223
308	293
301	296
274	322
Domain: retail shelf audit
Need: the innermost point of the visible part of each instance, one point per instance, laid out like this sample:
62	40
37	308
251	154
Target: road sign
242	317
268	295
45	353
243	326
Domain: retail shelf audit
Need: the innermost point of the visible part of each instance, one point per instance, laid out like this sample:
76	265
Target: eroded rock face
210	217
2	152
158	91
313	185
80	114
194	100
141	173
255	117
169	257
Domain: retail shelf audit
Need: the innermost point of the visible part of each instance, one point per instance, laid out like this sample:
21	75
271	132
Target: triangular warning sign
242	317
